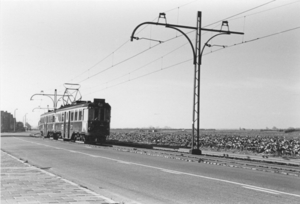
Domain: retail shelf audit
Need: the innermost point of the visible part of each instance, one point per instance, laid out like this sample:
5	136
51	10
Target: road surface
138	178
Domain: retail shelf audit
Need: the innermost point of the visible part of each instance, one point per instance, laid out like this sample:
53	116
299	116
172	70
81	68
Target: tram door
45	126
66	130
68	126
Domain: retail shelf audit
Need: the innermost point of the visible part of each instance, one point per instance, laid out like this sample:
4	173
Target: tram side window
62	117
76	113
80	115
53	118
72	116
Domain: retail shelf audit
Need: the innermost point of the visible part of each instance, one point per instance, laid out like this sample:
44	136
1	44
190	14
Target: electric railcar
82	120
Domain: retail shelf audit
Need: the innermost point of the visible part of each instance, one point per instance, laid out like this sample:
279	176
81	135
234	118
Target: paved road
22	183
137	178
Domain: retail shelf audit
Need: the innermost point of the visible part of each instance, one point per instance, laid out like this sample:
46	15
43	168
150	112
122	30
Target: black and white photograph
150	101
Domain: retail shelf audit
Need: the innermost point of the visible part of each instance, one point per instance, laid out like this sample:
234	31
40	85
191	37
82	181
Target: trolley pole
197	61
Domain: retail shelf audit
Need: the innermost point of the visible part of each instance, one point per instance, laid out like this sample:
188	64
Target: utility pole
25	121
15	116
197	60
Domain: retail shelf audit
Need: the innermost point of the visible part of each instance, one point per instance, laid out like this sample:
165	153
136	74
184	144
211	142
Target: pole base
196	151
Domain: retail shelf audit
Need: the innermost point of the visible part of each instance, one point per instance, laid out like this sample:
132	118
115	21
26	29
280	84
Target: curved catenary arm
41	95
194	52
168	26
210	40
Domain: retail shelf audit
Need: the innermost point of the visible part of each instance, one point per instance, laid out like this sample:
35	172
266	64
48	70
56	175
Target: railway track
289	170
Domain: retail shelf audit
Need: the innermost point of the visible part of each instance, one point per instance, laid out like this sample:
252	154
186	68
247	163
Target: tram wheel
86	140
73	138
50	134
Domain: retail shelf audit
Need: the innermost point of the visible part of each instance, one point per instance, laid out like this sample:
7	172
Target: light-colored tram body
82	120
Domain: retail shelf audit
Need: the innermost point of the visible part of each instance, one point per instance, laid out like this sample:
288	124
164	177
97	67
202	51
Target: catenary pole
197	61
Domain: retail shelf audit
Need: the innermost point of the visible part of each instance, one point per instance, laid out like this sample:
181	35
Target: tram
81	120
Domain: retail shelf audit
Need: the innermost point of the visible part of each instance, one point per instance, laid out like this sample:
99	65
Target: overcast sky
255	84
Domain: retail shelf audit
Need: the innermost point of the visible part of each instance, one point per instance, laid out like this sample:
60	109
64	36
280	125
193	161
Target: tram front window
96	114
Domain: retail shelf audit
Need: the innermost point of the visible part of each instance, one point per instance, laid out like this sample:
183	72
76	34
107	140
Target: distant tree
27	126
290	129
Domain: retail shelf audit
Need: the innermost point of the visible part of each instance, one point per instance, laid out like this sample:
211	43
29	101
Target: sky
252	83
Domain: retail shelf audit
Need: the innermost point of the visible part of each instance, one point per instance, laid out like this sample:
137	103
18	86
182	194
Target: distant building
8	121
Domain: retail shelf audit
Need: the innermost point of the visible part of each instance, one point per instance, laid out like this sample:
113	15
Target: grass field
269	133
271	142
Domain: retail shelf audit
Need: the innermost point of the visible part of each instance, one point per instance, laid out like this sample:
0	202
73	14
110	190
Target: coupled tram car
82	120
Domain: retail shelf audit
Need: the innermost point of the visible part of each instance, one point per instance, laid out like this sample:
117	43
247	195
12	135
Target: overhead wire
139	53
102	59
203	54
181	35
251	14
97	63
143	66
158	44
181	6
168	53
131	57
244	42
242	12
255	39
177	19
132	79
